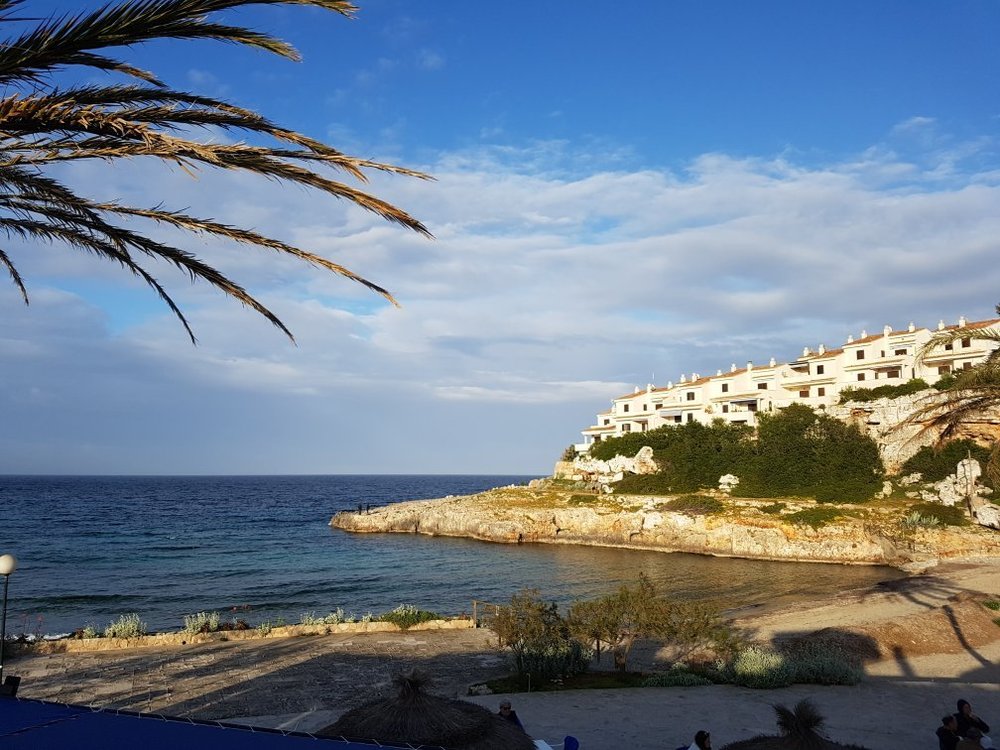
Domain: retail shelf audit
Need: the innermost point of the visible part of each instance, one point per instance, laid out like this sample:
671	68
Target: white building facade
816	379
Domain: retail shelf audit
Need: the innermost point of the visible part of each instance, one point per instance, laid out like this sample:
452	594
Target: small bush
815	517
917	521
569	454
676	678
992	604
945	382
202	622
265	628
580	499
757	667
126	626
818	663
699	505
562	659
946	515
774	509
405	616
89	631
644	484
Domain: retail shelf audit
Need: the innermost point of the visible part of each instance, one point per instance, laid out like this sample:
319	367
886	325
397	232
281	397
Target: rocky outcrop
521	517
600	475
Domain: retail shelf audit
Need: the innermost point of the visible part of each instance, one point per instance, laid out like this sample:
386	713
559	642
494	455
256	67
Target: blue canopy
38	725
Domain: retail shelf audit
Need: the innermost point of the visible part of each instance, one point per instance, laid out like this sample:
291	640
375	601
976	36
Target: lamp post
8	564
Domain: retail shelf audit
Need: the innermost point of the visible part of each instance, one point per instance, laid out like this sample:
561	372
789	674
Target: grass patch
698	505
774	509
814	517
581	499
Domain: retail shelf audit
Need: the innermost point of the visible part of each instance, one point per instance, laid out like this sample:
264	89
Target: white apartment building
816	379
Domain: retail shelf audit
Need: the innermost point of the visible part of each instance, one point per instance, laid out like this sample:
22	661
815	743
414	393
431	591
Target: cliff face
520	515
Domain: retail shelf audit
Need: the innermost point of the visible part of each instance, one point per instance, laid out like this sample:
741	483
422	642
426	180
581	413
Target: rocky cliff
870	536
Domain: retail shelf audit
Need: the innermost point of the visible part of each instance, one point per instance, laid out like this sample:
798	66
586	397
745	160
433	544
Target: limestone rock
728	482
988	515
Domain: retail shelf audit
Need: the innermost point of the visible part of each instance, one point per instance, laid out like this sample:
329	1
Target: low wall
161	640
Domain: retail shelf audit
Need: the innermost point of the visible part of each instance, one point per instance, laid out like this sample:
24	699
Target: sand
932	644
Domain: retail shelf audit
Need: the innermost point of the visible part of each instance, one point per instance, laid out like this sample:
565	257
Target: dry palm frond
42	125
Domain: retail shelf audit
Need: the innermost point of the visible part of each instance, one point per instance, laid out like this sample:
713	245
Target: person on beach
947	733
968	720
510	714
702	741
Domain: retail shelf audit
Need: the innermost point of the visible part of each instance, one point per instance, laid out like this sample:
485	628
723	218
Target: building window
677	418
625	408
944	369
761	386
892	374
607	421
966	365
899	352
657	406
821	391
690	416
689	395
949	347
804	393
966	343
859	354
626	428
752	406
725	408
820	369
725	387
861	376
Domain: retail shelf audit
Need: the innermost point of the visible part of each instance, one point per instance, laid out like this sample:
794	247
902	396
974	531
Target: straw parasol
800	730
418	718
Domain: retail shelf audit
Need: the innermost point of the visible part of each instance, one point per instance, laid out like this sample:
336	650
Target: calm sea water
93	548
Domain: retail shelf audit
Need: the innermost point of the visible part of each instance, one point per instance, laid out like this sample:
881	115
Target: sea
260	549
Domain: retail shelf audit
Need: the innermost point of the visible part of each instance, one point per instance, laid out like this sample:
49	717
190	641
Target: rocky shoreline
866	535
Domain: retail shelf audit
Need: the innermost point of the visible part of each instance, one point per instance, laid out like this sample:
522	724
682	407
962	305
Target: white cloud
550	288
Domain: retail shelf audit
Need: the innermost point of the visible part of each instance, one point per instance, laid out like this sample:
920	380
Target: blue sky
623	193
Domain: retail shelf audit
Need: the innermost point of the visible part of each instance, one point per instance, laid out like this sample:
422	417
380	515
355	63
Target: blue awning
38	725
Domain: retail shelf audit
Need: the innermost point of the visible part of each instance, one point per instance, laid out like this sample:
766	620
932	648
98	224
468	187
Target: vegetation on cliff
795	452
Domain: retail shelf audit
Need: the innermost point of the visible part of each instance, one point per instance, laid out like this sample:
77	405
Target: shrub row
883	391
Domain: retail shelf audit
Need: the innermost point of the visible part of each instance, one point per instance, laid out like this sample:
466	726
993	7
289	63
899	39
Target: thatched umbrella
800	730
418	718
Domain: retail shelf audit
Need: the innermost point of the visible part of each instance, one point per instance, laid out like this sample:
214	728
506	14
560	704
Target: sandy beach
928	642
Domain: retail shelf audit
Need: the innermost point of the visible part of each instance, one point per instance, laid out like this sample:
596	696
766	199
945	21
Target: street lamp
8	564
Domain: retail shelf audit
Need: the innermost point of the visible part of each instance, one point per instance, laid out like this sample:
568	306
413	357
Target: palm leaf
47	125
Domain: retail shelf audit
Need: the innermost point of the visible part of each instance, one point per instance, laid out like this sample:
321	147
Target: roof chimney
732	367
887	330
962	321
805	351
683	379
822	349
772	363
718	372
940	325
864	333
850	339
670	384
649	387
749	366
911	328
636	389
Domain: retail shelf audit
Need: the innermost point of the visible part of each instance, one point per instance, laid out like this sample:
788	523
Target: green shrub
581	499
935	463
89	631
815	517
946	515
644	484
917	521
202	622
774	509
992	604
265	628
561	659
945	382
569	454
846	491
818	663
406	616
126	626
676	678
757	667
883	391
699	505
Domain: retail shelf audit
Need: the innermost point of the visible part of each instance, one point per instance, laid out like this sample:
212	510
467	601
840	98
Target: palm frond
47	125
942	338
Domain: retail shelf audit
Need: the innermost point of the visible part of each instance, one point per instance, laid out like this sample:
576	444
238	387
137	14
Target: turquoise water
93	548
